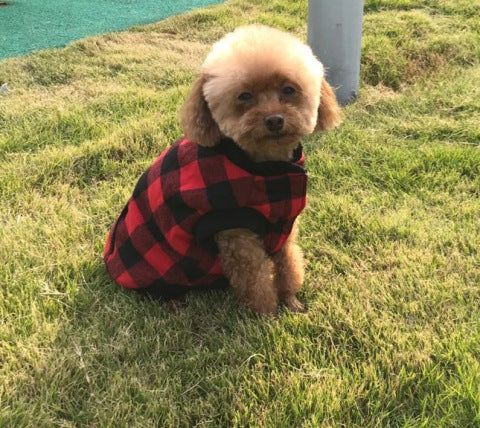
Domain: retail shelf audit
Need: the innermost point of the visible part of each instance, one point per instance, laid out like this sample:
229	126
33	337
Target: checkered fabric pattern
164	235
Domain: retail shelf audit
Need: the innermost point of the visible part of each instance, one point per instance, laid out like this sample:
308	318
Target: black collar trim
233	152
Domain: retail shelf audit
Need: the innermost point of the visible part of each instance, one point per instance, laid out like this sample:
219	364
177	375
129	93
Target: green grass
391	236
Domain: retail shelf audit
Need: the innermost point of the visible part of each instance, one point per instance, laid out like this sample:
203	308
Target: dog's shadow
108	335
211	312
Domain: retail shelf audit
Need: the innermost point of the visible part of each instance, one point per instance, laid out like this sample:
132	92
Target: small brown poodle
219	206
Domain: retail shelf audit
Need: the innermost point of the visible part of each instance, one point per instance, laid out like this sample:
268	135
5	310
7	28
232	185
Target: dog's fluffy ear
329	113
196	119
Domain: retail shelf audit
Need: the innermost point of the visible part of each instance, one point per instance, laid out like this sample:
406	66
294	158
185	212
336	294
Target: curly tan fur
289	272
266	64
249	269
196	119
329	114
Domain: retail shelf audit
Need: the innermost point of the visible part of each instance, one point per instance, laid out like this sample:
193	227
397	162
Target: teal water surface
28	25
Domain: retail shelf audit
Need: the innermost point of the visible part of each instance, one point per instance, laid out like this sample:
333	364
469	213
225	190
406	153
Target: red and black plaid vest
164	235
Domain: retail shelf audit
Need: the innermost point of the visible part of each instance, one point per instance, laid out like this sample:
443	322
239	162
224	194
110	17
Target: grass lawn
391	236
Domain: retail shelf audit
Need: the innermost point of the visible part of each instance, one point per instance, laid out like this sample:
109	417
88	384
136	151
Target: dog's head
264	89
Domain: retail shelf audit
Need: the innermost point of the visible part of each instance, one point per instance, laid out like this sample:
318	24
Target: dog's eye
245	96
288	90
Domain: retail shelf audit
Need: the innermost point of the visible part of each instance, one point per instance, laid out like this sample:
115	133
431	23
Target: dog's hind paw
293	304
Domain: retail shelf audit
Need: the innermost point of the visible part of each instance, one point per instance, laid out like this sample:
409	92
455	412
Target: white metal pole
335	35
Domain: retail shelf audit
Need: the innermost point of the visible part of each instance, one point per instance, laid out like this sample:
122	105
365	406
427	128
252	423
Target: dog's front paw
264	308
293	304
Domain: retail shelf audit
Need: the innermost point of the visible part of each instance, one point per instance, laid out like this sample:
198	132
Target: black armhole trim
217	221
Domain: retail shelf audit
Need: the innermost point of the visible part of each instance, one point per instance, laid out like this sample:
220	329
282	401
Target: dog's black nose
274	122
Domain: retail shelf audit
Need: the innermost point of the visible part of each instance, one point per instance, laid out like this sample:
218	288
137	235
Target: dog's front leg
289	270
249	269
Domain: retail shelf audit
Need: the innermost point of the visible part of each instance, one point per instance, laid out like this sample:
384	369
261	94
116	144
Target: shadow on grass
116	353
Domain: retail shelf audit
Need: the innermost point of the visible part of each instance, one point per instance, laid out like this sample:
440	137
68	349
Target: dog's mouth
282	137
